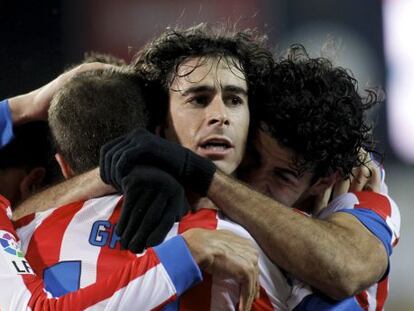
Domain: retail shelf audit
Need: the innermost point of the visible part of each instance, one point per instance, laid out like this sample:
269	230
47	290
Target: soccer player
227	81
114	92
311	133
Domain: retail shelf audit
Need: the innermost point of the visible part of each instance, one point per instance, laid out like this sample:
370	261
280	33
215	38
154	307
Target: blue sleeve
321	303
374	223
180	265
6	123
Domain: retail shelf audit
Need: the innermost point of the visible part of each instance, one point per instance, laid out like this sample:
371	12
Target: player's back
75	245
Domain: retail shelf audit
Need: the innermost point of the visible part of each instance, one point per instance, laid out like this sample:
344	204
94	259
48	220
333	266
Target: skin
322	267
337	256
214	98
34	105
210	104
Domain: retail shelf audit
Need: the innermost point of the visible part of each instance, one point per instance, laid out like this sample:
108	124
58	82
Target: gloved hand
153	201
140	147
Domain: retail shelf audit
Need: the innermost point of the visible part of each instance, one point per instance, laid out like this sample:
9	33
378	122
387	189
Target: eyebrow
207	88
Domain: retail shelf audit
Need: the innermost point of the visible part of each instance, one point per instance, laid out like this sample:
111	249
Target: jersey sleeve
6	123
377	212
147	282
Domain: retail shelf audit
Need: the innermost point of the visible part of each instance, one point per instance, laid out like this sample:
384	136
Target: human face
275	175
208	110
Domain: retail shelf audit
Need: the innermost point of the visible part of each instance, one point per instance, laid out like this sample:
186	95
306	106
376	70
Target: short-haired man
111	92
221	77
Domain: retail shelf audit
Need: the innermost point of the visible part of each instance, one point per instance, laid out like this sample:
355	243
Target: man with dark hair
312	132
216	96
108	94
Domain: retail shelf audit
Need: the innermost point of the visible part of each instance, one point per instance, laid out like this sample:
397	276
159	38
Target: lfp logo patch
9	244
12	256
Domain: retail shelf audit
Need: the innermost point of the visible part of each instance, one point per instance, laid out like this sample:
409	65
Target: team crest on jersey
12	255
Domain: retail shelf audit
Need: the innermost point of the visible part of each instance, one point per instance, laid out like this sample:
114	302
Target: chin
226	167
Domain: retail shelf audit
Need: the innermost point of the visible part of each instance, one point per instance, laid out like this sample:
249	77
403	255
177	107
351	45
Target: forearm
18	107
336	259
81	187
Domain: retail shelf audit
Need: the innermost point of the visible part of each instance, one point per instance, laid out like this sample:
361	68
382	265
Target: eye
199	100
234	100
281	176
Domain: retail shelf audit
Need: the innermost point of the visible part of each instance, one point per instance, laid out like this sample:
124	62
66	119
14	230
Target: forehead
272	152
213	71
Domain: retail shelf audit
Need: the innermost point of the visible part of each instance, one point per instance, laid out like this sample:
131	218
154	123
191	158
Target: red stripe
24	221
94	293
199	297
112	257
204	218
374	201
362	299
161	306
263	302
5	223
48	236
4	203
382	293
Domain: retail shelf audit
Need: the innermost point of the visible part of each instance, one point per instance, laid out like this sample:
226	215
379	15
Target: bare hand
365	177
227	255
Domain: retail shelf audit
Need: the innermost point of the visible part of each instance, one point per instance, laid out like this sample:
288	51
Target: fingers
249	288
105	158
175	208
131	217
322	200
361	176
149	222
374	183
341	187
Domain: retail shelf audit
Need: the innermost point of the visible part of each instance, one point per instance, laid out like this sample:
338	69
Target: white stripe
271	278
372	297
144	293
80	226
25	232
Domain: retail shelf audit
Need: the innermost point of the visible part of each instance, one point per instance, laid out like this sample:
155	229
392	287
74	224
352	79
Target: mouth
215	148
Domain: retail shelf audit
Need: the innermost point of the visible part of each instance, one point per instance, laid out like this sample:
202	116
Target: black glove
153	201
140	147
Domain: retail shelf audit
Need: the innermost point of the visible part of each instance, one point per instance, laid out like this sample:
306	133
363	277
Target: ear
32	181
65	168
324	183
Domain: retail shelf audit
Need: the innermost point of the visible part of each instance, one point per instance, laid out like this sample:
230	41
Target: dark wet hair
159	61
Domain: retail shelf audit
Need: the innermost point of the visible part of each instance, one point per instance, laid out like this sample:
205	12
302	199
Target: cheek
283	193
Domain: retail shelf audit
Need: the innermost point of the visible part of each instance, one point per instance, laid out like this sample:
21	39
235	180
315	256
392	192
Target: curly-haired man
311	133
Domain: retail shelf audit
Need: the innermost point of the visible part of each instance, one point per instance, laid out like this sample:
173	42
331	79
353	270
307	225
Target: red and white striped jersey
83	232
144	282
379	214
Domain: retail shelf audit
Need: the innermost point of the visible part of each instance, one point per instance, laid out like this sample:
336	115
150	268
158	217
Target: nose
217	113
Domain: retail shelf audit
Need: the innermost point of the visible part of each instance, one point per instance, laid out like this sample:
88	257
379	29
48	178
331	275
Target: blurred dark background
371	38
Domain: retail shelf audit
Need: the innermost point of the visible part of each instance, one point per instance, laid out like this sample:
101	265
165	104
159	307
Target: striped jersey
144	282
379	214
83	233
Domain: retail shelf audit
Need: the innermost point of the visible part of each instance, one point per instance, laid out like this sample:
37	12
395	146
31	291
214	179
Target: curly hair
159	61
315	110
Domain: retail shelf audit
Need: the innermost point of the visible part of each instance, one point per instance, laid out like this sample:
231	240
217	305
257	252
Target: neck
196	202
